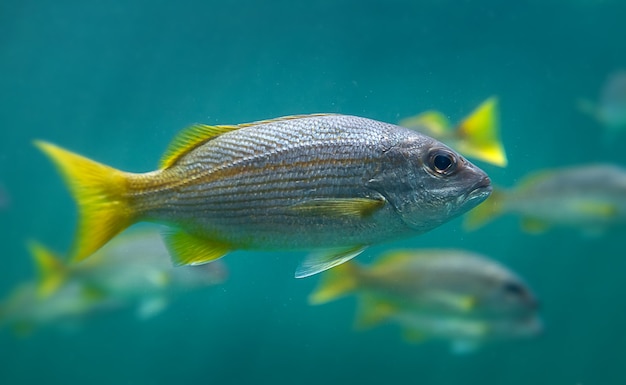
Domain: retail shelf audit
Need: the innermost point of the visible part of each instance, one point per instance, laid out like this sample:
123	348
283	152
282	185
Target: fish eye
442	162
513	288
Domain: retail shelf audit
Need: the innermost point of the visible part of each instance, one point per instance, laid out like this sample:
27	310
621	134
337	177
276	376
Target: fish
591	198
324	183
132	271
451	295
477	136
610	109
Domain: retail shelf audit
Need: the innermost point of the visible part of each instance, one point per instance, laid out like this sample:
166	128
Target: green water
115	80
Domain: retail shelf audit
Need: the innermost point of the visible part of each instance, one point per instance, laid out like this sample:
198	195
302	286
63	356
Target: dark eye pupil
513	288
442	162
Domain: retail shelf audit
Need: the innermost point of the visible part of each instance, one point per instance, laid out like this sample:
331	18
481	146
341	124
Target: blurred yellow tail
432	123
479	134
335	283
52	271
485	212
101	193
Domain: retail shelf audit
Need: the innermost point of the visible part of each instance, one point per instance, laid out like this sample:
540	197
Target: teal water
115	80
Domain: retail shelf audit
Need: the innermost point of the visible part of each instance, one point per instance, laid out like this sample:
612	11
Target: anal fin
189	249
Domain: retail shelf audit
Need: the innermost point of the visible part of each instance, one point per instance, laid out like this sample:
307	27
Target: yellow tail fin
479	134
101	193
485	212
52	271
335	283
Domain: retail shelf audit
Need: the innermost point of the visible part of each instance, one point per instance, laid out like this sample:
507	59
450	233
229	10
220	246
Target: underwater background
116	80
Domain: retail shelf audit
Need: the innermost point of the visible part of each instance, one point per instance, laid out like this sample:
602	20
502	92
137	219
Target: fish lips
477	194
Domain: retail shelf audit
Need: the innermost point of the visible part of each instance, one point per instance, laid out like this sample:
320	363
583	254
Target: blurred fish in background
446	294
133	270
330	183
610	109
591	198
477	136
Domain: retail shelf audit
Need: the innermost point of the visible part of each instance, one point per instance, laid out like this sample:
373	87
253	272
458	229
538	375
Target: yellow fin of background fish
23	329
484	212
479	134
52	271
188	249
323	260
373	311
529	182
597	209
463	303
534	226
190	138
432	121
394	258
100	193
413	335
92	293
335	283
354	207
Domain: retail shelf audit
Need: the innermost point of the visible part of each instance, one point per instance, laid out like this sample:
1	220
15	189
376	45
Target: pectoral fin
189	249
461	303
340	207
317	262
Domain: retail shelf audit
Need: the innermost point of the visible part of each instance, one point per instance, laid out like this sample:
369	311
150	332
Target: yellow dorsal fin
530	182
190	138
393	259
52	271
429	122
197	134
479	134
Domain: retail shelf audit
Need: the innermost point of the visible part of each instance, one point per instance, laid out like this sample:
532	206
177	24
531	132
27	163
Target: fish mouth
479	192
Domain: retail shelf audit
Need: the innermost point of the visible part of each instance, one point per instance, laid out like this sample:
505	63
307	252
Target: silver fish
133	270
331	183
589	197
447	294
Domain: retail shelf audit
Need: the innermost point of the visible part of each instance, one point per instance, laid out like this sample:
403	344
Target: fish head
498	296
428	183
507	299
